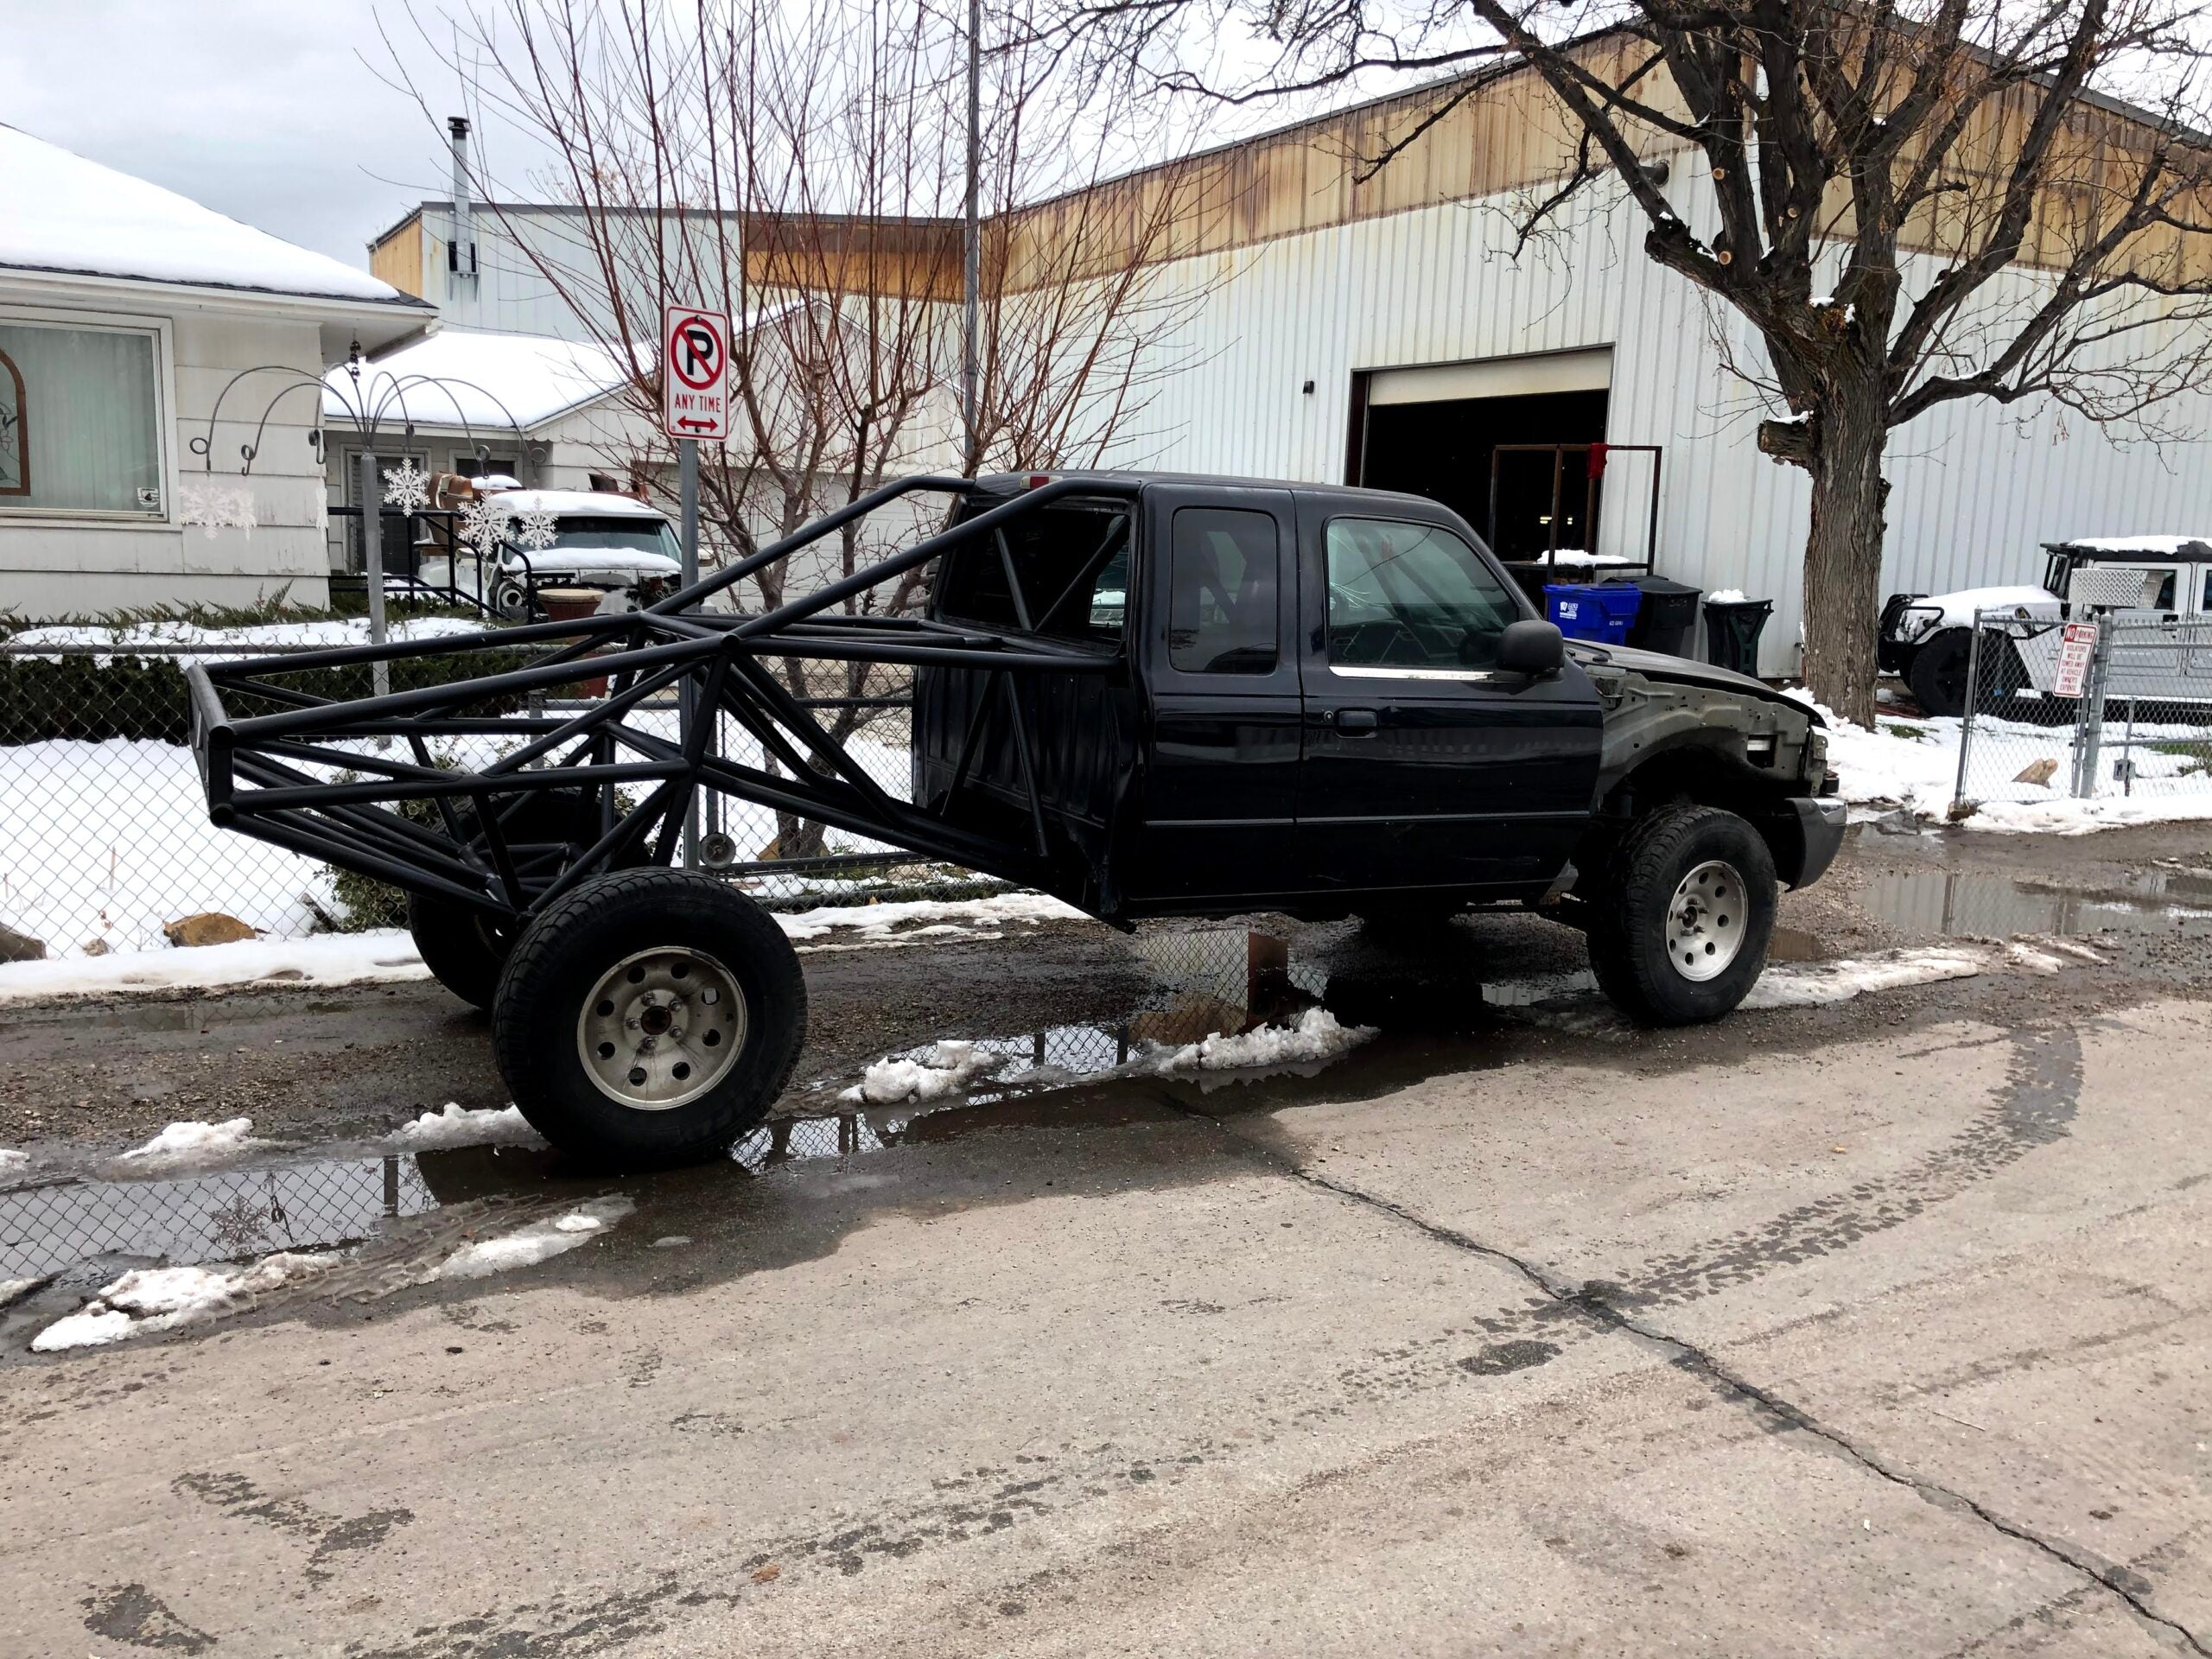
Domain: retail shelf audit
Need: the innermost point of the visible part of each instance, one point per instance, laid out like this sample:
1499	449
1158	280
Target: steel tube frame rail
468	836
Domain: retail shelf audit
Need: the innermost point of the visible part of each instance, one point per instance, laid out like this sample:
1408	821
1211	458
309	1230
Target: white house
160	366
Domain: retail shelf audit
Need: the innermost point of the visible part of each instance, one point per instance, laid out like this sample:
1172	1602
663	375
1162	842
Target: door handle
1357	721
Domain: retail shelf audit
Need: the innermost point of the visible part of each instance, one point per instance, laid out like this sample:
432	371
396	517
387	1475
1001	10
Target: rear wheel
649	1017
1679	931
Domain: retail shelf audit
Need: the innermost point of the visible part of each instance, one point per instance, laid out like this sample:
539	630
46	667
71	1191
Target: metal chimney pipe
461	256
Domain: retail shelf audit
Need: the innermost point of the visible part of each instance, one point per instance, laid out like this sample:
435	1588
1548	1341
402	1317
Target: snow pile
323	959
1317	1036
874	923
11	1161
1725	596
2064	816
946	1068
1960	610
536	1242
62	213
454	1125
186	1145
1815	984
160	1299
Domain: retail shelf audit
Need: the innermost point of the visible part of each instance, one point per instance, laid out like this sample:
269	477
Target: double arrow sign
695	372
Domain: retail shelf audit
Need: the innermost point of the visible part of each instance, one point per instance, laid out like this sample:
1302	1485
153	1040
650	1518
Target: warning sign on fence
2075	647
695	372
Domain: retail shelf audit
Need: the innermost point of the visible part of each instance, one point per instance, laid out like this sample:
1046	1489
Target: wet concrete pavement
1875	1329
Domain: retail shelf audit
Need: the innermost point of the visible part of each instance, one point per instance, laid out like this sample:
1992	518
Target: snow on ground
536	1242
323	959
946	1068
62	213
1914	764
389	954
231	643
189	1145
160	1299
875	922
1810	984
11	1161
1316	1037
454	1125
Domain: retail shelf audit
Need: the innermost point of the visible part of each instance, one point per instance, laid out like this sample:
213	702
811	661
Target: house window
79	420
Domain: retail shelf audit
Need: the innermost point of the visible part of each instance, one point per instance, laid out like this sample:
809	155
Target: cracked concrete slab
1550	1358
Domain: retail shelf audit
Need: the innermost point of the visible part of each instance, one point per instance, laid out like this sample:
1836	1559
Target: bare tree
802	169
2059	230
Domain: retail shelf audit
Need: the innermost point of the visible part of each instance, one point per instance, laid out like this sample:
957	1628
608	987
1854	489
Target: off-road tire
464	949
1632	911
1938	673
589	932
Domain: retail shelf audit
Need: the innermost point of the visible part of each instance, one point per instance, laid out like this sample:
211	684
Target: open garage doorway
1515	446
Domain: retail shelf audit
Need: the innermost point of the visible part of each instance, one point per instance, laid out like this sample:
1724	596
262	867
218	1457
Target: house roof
63	215
478	378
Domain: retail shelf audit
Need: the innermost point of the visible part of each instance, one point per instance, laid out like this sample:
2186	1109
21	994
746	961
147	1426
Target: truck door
1423	766
1217	611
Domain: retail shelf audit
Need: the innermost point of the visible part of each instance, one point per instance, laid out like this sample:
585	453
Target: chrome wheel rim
661	1028
1706	922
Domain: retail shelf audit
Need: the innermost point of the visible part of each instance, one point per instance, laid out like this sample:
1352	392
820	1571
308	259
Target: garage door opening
1515	446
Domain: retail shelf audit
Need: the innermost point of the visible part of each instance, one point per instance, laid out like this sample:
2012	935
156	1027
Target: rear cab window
1070	575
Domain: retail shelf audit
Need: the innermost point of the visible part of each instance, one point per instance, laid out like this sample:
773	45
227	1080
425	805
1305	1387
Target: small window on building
1221	596
1405	595
79	420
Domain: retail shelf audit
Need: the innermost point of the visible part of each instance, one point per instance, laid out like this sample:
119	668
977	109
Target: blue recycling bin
1588	611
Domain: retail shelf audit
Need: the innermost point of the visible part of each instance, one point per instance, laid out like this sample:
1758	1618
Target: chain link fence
2119	708
105	844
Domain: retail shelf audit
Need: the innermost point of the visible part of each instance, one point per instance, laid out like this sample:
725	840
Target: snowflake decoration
484	523
407	486
535	530
210	507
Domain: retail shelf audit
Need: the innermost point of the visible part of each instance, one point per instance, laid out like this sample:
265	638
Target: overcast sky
261	109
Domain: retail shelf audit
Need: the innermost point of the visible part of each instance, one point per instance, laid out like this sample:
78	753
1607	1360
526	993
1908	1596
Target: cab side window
2206	605
1222	615
1404	595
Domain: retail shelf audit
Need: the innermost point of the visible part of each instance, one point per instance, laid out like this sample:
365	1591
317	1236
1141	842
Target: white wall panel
1976	487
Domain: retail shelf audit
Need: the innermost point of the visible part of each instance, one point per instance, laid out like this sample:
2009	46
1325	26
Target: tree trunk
1843	552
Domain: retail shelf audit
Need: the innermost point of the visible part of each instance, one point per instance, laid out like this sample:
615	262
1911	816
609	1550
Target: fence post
1966	723
2089	731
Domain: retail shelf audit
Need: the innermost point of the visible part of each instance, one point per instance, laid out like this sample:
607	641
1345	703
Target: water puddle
1988	907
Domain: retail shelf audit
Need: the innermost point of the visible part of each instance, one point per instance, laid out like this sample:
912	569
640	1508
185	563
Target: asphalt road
1880	1331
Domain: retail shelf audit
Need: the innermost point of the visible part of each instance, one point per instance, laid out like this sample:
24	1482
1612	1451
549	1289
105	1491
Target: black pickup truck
1150	695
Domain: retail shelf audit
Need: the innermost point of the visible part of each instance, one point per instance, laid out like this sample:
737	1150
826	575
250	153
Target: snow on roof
598	503
62	213
2164	547
485	378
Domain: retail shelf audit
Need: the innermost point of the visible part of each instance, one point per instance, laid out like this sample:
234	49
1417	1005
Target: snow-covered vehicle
1928	639
598	540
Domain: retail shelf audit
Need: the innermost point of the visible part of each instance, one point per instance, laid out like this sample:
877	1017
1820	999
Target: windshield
624	535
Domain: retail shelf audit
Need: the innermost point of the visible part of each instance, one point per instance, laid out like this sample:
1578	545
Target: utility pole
687	475
972	248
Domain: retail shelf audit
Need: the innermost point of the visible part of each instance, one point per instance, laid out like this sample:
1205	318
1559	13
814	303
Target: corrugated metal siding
1976	487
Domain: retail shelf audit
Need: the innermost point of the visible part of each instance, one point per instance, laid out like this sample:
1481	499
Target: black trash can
1667	616
1732	633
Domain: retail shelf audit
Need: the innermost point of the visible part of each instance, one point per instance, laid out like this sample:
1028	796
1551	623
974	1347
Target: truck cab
1321	701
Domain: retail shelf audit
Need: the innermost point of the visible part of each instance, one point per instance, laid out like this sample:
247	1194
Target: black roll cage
467	840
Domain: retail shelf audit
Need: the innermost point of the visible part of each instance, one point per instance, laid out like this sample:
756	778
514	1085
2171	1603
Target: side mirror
1531	647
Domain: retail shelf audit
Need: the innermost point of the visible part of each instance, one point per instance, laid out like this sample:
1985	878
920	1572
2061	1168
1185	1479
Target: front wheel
1680	929
649	1017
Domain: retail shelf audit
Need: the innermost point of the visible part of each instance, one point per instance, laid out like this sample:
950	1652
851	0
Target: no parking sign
695	372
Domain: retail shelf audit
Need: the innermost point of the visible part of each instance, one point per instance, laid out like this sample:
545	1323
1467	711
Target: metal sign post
695	404
372	489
